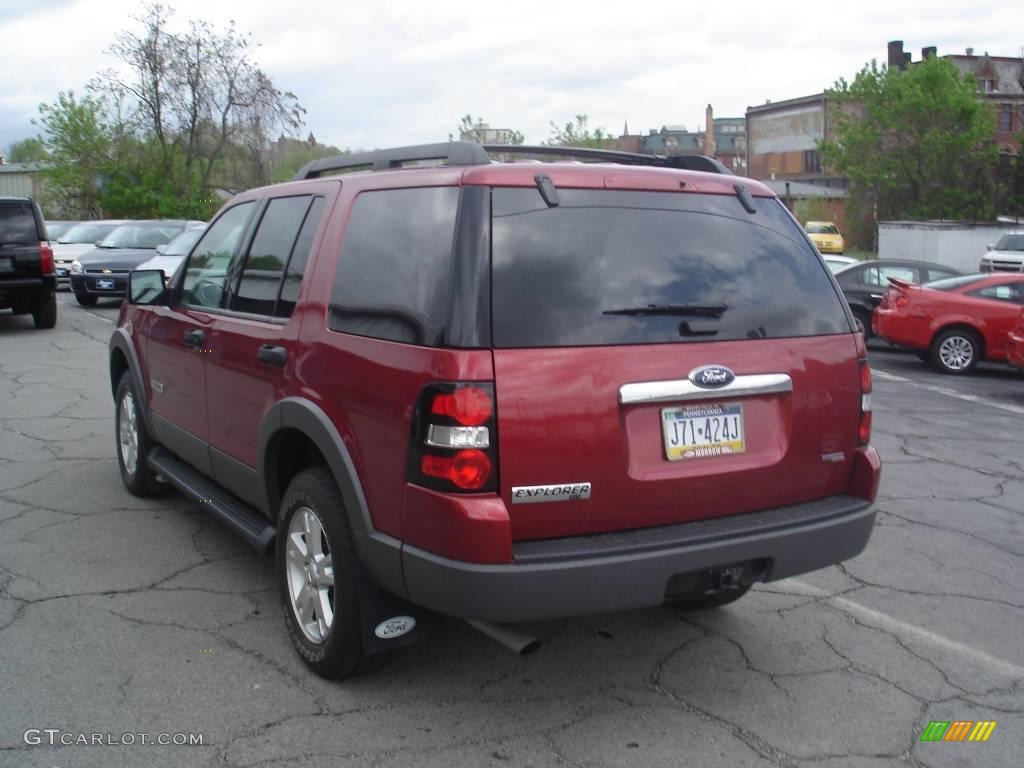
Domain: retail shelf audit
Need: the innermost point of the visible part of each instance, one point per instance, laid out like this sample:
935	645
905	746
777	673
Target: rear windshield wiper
675	310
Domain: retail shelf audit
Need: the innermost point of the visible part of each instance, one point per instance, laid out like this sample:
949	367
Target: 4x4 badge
711	376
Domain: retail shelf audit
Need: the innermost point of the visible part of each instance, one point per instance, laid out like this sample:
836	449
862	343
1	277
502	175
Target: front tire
955	351
318	575
44	315
133	441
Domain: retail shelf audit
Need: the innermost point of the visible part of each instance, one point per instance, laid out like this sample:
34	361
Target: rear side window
269	253
393	279
17	224
612	267
300	256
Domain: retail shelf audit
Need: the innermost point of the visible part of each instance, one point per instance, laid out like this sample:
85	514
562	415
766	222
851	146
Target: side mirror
990	247
161	248
147	286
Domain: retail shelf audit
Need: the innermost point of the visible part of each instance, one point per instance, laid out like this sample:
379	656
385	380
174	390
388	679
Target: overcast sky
384	73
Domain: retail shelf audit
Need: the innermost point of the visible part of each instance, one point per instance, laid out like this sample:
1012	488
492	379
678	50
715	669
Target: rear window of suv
614	267
17	224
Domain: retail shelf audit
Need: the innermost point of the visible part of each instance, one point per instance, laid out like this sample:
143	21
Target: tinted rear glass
558	272
393	279
17	224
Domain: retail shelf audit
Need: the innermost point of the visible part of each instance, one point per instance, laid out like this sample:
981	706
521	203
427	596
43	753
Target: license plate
6	265
697	431
62	273
104	285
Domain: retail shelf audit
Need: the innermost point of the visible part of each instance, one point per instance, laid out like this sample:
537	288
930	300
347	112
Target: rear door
995	307
602	309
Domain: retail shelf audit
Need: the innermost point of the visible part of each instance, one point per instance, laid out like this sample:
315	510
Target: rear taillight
864	430
45	258
453	446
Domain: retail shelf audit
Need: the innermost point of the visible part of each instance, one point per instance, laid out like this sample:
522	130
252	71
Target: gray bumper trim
612	572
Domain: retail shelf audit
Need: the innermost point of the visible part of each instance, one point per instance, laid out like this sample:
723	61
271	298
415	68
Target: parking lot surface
127	616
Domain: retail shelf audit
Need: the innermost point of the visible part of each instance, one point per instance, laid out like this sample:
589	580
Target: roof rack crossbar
455	153
467	153
685	162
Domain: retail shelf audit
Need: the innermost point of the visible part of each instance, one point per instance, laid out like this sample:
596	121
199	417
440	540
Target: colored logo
958	730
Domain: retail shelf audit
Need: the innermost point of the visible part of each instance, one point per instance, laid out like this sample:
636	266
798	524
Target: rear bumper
618	571
26	290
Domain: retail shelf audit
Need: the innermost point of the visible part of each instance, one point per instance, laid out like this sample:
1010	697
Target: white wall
959	245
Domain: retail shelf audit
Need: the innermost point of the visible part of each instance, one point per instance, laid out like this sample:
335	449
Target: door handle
194	337
271	355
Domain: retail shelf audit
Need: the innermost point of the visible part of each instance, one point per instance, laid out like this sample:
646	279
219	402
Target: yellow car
825	235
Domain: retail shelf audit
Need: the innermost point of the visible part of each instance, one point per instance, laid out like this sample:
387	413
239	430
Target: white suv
1005	256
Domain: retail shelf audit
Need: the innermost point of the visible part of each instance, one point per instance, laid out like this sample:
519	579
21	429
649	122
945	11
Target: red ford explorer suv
502	391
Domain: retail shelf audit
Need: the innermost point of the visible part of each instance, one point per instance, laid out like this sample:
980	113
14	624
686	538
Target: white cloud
383	73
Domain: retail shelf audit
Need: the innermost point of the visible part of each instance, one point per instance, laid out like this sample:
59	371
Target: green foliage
812	209
577	133
292	154
80	144
32	150
920	140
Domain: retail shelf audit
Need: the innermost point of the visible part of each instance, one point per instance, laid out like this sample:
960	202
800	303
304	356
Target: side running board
238	515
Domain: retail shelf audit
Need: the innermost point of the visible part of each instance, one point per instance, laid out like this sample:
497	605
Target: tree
31	150
80	143
919	140
577	133
471	129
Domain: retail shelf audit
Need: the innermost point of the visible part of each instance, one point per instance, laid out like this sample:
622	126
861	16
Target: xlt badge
535	494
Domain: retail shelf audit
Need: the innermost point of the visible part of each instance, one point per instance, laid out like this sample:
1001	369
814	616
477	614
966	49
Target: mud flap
387	621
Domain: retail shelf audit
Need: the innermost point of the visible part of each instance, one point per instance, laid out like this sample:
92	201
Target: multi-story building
484	134
783	137
723	138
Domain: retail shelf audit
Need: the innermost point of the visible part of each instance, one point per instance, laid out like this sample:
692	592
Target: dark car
27	281
864	284
103	272
502	391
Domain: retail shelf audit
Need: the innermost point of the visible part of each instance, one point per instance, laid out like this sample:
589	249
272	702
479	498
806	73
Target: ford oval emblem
712	376
395	627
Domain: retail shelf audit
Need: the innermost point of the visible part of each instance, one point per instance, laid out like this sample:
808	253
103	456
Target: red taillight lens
45	258
864	430
469	406
468	470
453	445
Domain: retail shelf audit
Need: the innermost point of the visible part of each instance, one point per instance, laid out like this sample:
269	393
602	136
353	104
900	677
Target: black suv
27	280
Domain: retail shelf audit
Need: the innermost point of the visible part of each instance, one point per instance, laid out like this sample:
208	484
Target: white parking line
884	621
947	391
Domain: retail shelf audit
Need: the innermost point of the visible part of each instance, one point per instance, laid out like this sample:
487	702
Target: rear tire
44	315
318	576
85	299
706	602
955	351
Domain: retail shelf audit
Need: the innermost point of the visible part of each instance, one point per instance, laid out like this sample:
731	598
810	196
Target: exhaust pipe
518	642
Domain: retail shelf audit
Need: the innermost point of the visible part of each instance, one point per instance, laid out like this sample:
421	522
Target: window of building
812	161
393	278
1005	118
986	85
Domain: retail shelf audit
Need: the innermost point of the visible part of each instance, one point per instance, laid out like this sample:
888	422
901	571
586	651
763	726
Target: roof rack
466	153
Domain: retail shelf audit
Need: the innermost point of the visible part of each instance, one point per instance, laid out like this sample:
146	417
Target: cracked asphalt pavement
120	615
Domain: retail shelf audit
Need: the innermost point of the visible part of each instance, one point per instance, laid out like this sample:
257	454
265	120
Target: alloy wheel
956	353
310	574
128	433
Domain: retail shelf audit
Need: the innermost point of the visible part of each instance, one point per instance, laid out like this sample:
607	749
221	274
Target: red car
1015	344
502	391
954	322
